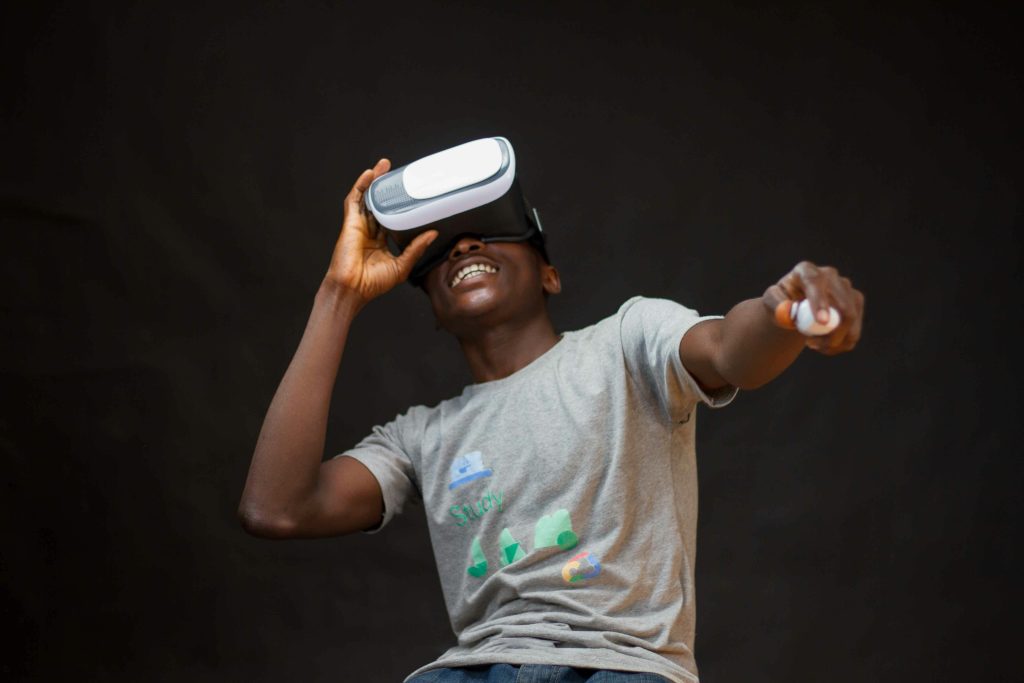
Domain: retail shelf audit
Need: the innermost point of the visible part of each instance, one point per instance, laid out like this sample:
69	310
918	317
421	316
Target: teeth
474	270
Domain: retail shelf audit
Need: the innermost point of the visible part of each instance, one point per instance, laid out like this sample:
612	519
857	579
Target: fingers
822	287
842	296
380	168
846	337
358	228
412	253
374	230
814	282
354	199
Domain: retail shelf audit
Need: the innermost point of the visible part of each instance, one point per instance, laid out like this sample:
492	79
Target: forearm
752	349
285	467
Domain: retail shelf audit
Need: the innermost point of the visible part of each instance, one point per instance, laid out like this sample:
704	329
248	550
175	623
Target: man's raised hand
822	287
361	264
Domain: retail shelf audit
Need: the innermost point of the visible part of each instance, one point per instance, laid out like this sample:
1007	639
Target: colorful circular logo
582	566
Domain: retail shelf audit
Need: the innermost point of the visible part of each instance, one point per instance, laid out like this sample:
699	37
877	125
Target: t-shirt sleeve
651	330
383	453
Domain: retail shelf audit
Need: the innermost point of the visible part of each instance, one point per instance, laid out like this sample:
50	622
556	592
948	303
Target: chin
469	310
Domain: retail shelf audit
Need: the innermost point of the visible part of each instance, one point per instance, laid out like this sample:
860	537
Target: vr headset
468	190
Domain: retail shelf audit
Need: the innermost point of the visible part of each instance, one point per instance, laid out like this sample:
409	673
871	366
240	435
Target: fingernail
822	315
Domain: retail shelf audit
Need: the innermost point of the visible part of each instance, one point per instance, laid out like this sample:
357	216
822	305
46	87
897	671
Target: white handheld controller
803	317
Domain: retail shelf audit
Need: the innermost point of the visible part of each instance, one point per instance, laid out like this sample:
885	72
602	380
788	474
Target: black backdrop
171	186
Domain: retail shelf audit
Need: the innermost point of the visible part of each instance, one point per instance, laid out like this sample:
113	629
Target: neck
499	351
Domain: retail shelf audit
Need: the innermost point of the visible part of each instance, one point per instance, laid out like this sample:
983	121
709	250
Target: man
560	487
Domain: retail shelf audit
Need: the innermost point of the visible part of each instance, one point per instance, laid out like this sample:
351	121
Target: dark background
171	186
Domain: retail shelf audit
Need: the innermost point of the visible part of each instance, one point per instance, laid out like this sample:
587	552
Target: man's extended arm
748	348
288	492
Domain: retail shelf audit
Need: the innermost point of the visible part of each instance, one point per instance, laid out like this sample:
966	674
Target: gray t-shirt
562	500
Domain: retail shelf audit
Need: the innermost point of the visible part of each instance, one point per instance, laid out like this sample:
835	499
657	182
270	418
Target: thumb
412	253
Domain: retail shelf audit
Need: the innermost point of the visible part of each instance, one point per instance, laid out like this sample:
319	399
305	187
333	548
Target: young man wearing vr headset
560	487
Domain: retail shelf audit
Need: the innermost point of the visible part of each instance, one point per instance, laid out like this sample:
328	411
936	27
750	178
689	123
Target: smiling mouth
472	271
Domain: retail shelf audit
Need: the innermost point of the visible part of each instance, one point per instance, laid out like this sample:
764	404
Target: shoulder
642	307
409	425
637	306
643	318
636	318
419	418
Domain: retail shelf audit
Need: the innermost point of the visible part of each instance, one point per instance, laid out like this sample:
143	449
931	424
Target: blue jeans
532	673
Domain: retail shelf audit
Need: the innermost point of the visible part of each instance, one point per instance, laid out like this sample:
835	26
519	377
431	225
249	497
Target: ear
550	280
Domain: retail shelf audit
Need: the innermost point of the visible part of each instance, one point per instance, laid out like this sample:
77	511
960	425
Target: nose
465	245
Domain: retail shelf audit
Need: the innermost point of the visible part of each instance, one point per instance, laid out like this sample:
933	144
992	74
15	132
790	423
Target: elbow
259	523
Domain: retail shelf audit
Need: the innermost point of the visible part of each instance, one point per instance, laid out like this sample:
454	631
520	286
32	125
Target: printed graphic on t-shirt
471	511
511	550
467	468
555	529
582	566
552	530
479	566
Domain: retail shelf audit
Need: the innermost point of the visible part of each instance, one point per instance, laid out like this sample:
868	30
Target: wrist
340	298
